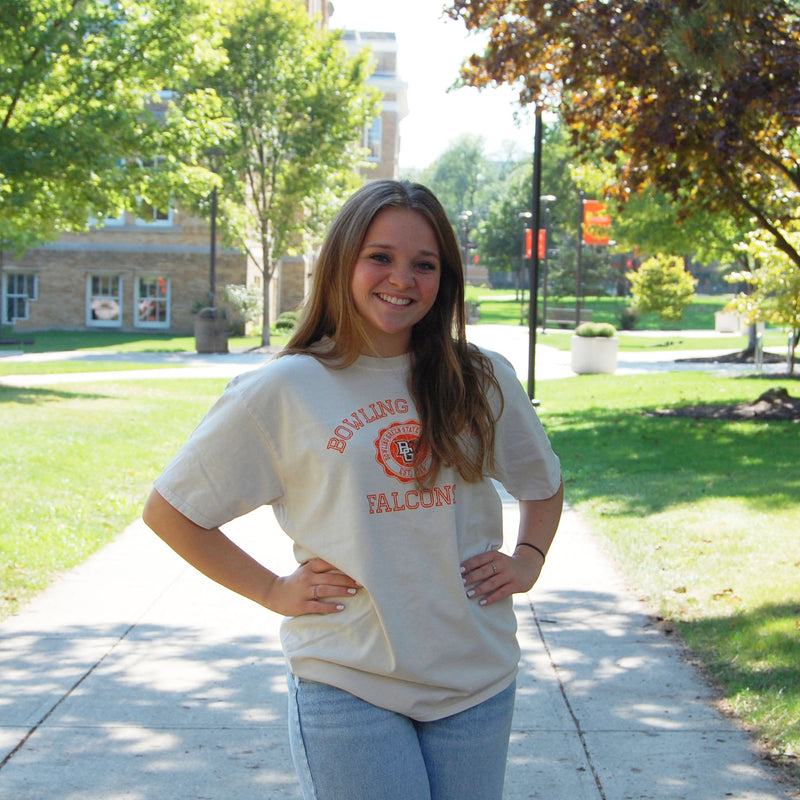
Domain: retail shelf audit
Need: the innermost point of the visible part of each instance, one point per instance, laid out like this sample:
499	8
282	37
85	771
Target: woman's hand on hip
315	587
492	576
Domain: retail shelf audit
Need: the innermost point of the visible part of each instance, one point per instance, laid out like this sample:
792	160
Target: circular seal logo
396	451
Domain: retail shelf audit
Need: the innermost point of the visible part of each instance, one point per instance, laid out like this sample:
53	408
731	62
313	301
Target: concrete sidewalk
135	677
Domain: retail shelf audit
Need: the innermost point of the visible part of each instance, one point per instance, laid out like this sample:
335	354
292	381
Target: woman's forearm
538	521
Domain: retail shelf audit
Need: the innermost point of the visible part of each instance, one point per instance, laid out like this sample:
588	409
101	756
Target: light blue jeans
347	749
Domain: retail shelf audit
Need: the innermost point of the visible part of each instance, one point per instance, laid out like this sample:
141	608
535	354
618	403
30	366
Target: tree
695	98
83	113
662	285
774	287
298	107
458	176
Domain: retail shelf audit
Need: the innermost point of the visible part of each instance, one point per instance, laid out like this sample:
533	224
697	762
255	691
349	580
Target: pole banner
596	222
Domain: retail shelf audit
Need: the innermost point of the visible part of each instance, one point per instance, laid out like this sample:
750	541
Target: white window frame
108	222
27	293
160	219
373	139
96	300
166	301
157	218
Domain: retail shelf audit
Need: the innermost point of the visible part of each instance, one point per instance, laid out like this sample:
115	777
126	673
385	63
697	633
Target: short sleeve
525	462
226	468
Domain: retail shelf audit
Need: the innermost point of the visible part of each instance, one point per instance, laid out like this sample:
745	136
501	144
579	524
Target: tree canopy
698	99
89	97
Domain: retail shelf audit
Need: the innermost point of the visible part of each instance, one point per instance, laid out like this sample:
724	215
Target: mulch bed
774	404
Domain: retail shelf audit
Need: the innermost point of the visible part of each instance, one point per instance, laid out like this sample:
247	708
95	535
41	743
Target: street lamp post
579	265
214	156
524	217
548	199
464	218
212	267
533	291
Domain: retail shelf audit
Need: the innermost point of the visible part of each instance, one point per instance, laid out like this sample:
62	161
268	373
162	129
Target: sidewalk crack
563	689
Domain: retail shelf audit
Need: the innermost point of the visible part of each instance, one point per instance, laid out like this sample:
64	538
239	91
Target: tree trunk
267	274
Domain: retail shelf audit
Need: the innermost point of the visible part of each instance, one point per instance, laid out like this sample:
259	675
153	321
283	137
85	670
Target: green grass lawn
703	515
53	341
500	306
77	461
70	366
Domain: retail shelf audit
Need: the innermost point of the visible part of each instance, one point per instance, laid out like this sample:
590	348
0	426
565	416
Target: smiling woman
376	434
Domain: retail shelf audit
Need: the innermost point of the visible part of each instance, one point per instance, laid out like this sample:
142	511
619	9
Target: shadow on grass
32	396
648	464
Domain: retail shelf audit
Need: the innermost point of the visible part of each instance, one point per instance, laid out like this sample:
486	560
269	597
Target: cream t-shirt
331	451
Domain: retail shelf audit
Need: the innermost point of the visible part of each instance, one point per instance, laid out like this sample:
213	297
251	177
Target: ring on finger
315	593
494	568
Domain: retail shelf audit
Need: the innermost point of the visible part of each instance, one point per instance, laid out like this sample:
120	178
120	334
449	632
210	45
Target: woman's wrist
533	547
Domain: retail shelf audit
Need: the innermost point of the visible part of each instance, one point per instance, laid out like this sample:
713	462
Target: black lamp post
579	265
214	158
524	217
548	199
464	218
533	291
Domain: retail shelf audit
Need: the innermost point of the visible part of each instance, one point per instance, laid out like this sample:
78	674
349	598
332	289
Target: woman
375	436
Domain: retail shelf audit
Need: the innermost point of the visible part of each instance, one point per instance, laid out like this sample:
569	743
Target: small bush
590	329
287	321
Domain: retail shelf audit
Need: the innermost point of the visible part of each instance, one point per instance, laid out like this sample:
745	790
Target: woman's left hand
492	576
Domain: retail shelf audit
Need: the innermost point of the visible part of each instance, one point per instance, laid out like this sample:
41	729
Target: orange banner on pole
596	222
541	243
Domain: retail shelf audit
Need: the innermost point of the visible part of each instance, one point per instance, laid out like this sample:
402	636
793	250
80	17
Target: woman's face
395	279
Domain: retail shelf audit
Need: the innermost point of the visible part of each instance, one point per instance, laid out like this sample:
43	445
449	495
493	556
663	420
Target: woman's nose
402	275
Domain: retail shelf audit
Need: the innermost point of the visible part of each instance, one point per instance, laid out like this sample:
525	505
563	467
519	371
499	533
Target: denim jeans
347	749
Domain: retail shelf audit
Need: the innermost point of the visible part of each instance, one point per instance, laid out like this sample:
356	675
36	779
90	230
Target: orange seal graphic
396	451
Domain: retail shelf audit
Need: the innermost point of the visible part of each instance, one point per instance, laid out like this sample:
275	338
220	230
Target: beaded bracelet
537	549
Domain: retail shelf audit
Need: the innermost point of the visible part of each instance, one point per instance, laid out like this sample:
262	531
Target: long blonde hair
450	379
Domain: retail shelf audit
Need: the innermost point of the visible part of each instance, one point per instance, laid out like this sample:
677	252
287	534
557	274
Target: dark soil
774	404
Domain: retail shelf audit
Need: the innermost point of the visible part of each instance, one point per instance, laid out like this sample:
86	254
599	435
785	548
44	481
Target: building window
104	301
150	215
147	214
108	222
19	289
373	139
152	302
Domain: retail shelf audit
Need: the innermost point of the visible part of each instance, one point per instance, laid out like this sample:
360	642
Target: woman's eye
426	266
380	257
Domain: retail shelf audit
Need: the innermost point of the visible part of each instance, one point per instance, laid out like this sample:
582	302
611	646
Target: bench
565	317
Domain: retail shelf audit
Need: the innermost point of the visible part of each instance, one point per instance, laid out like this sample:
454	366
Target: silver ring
494	568
315	593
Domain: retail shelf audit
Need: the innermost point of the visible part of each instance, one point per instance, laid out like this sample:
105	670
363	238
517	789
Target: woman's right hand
315	587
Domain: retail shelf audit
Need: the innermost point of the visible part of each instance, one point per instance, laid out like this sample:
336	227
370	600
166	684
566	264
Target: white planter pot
594	354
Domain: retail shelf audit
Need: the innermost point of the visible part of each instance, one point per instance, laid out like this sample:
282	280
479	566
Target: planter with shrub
594	348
